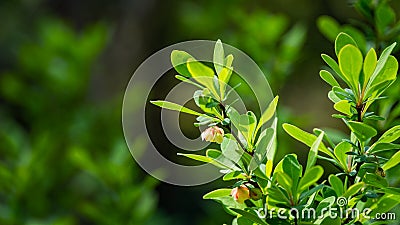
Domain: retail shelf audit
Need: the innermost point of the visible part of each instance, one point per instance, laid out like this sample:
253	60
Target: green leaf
380	147
202	74
217	156
385	204
384	17
350	63
218	193
305	137
328	78
312	155
230	149
380	64
343	106
329	27
340	153
179	60
393	161
388	73
335	67
250	216
187	80
369	64
175	107
228	61
268	113
362	131
353	189
284	180
262	147
219	56
342	40
223	79
336	184
205	159
234	175
375	180
291	167
310	177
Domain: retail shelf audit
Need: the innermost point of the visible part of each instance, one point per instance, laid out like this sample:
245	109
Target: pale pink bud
213	134
241	193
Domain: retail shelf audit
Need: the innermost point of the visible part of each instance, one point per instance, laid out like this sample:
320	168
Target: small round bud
213	134
255	194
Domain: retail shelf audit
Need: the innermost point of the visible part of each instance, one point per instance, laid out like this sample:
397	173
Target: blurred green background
64	66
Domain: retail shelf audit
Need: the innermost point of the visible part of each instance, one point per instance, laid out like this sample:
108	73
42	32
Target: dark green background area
64	66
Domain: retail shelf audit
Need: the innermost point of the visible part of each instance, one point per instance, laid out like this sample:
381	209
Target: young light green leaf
328	78
350	63
292	168
218	193
312	155
187	80
340	153
310	177
268	113
335	67
223	79
336	184
202	158
228	61
381	64
343	106
353	189
178	60
388	72
393	161
262	147
369	64
342	40
390	135
219	56
175	107
202	74
234	175
305	137
284	180
362	131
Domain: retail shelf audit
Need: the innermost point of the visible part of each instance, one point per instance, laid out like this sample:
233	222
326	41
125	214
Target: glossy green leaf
350	63
335	67
218	193
268	113
343	106
230	149
369	64
310	177
228	61
393	161
223	78
388	72
305	137
263	146
336	184
205	159
175	107
375	180
179	60
187	80
250	216
342	40
328	78
353	189
380	64
234	175
362	131
202	74
385	204
340	153
292	167
284	180
380	147
219	56
313	153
